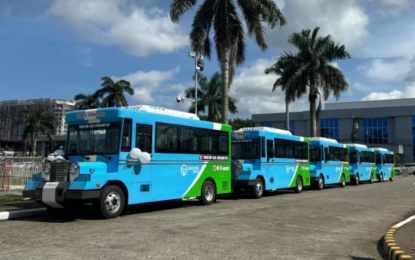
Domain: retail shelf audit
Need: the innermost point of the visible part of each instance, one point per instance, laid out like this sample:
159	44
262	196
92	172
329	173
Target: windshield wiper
108	157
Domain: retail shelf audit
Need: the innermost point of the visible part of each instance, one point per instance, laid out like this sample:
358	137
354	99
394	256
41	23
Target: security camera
179	98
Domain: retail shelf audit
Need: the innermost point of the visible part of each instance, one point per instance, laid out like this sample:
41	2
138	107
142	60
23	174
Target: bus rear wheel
343	183
208	195
111	201
299	186
356	180
258	189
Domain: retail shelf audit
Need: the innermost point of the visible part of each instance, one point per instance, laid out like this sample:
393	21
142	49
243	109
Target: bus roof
357	145
325	139
267	129
380	149
164	111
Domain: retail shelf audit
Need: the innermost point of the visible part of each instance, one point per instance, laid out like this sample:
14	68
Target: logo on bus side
289	168
184	169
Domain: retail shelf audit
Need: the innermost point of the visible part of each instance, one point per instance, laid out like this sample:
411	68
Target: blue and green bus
385	164
115	157
331	162
362	163
266	159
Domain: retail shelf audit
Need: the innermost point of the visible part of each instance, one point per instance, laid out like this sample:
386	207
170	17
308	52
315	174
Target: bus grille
58	171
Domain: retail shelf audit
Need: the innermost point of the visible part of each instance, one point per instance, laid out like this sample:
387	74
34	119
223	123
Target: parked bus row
116	157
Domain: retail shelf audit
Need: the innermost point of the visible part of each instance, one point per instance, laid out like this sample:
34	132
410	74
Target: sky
59	48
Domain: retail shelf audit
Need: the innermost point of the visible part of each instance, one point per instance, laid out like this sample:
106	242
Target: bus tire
371	178
208	194
343	183
356	180
258	189
299	184
111	201
381	177
320	183
391	179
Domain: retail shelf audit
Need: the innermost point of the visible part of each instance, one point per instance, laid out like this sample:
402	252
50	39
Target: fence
15	172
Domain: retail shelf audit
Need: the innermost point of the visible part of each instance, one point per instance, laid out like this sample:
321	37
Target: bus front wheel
258	189
381	177
320	184
299	186
111	201
371	178
208	195
356	180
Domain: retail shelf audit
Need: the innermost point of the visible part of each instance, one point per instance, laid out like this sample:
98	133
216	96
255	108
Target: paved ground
18	205
336	223
405	238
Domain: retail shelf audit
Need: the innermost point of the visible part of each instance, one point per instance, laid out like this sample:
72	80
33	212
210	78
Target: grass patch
10	197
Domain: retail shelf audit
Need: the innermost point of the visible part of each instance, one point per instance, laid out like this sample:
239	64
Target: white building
11	114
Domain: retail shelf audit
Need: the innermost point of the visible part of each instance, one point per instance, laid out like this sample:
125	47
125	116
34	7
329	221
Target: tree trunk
224	65
313	126
287	114
33	145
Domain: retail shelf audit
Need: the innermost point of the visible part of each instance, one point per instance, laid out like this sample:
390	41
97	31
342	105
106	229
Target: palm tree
284	69
38	121
210	97
312	71
86	101
228	32
114	91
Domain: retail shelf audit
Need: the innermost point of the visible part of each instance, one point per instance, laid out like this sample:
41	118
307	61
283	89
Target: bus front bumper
57	195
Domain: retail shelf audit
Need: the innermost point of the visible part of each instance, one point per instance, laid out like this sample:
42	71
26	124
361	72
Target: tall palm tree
38	121
209	96
86	101
312	69
285	70
228	32
114	91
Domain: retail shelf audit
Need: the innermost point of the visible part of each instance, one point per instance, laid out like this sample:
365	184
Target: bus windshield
98	138
246	149
315	154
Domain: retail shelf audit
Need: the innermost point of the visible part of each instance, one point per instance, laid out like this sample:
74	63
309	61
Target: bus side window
270	149
144	137
126	135
326	154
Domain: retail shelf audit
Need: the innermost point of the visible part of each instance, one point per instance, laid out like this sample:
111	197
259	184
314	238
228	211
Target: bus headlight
46	171
73	168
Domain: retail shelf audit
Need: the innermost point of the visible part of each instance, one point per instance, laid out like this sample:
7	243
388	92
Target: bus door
142	172
271	165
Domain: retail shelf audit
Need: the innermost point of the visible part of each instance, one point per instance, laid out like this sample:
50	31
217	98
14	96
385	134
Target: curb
6	215
392	250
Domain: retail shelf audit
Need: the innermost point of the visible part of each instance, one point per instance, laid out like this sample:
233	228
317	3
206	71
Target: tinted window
127	135
290	149
144	137
166	138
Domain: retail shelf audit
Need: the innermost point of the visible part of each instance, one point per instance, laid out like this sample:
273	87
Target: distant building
381	123
11	113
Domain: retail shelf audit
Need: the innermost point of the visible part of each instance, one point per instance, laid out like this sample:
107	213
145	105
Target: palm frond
179	7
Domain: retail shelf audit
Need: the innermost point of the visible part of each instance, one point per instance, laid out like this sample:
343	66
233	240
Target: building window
413	138
375	131
329	128
292	127
268	124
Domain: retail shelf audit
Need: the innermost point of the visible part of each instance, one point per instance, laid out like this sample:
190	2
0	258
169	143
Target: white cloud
384	70
345	21
137	31
148	85
87	62
252	89
393	7
409	92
